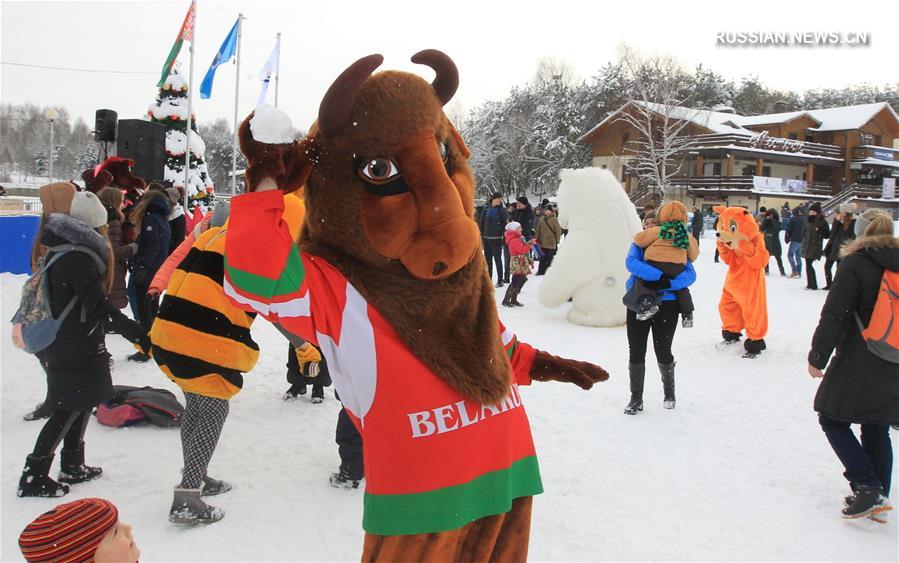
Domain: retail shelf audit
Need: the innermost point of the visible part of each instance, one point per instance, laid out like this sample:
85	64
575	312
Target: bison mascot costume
390	282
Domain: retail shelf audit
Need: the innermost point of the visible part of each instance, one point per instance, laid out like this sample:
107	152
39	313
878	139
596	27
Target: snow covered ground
739	470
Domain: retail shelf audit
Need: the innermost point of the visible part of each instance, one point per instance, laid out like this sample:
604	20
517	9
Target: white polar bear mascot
589	266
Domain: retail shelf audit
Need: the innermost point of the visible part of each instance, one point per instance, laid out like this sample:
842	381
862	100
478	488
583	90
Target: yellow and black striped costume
201	341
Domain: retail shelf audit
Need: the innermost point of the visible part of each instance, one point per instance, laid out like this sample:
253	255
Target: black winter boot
188	508
72	468
668	384
35	480
866	502
343	480
42	410
511	293
637	373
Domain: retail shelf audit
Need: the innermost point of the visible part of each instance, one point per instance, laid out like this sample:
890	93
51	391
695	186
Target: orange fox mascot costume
743	302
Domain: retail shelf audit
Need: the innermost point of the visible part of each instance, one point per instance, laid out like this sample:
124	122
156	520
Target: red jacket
516	243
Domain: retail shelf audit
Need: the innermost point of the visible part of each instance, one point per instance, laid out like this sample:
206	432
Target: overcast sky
496	45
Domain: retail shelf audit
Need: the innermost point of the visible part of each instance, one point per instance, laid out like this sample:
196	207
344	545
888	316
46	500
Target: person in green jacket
549	233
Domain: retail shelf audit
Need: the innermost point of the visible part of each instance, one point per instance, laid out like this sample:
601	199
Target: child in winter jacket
668	247
519	263
305	366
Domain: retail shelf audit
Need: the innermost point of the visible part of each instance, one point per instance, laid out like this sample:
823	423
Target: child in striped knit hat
81	531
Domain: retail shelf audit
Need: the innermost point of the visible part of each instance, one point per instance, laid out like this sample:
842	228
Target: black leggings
62	426
663	325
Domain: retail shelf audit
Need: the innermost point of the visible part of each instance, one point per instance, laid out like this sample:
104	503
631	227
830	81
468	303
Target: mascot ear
288	164
719	209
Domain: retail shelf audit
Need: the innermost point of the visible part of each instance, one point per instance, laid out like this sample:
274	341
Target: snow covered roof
771	118
831	119
714	121
849	117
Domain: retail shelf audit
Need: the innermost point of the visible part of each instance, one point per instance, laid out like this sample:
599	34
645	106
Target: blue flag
226	52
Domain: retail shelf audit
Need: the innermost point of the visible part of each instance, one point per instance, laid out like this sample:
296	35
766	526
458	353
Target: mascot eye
733	227
379	171
444	151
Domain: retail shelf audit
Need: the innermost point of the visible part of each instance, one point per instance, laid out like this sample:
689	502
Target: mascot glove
307	354
547	367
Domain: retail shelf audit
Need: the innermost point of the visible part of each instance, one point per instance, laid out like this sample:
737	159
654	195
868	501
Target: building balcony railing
750	183
765	144
878	153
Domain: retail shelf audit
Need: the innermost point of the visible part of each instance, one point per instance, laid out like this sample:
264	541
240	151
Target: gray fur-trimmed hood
64	229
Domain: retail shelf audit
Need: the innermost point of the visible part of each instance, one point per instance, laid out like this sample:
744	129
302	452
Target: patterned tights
201	426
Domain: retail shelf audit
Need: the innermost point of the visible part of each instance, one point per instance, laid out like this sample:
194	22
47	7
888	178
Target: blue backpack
34	326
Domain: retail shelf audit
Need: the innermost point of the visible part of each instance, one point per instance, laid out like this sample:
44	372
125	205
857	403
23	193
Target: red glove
547	367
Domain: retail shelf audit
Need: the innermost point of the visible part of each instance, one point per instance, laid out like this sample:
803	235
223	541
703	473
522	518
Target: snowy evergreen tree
219	145
39	164
170	110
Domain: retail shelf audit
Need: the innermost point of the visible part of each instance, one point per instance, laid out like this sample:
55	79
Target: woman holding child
663	323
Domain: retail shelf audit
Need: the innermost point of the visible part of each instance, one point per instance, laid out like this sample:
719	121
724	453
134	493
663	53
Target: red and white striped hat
69	532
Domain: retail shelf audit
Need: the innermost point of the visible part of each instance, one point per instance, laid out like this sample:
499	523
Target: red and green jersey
434	460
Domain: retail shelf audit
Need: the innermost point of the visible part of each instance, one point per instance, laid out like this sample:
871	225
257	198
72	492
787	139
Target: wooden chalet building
834	154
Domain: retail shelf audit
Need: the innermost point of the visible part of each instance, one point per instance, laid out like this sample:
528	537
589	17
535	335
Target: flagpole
277	74
190	101
236	98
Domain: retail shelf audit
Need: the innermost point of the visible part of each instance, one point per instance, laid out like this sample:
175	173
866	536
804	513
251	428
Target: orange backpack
882	333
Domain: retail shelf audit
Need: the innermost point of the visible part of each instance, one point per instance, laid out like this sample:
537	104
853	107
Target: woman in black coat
841	232
816	230
771	229
151	217
858	386
76	363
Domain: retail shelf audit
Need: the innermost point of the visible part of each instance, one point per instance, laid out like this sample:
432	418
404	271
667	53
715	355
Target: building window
766	171
748	170
809	139
793	136
877	141
867	139
625	138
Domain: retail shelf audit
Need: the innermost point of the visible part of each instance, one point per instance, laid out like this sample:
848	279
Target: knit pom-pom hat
513	226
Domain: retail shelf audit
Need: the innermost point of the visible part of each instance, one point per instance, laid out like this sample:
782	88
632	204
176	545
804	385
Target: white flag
269	70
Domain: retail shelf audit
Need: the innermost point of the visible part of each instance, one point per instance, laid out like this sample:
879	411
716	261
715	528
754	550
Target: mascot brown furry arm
390	283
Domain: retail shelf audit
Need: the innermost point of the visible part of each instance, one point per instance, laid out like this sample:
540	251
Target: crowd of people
97	257
106	257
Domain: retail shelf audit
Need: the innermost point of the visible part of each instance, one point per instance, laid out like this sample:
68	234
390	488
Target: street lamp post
51	115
